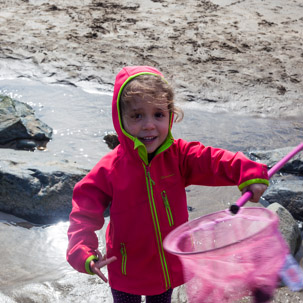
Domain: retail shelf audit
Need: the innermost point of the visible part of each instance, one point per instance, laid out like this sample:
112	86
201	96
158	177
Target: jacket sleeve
88	205
211	166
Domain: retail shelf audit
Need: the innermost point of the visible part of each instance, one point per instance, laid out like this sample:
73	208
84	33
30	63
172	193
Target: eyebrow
162	109
141	108
133	109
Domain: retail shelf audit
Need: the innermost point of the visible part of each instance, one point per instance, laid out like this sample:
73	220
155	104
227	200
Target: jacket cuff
253	181
87	267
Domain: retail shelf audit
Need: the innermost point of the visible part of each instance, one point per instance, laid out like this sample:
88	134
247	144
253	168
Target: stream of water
33	266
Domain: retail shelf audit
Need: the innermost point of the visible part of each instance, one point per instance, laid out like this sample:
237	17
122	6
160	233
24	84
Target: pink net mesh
226	257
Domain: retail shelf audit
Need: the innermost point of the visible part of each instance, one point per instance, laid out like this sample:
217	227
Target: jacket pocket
167	208
124	258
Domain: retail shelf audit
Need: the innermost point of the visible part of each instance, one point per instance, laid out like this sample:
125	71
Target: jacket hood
126	140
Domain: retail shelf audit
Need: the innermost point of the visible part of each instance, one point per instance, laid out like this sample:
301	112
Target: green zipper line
149	184
124	259
167	208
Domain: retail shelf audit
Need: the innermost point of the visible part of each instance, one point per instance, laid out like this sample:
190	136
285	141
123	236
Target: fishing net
226	257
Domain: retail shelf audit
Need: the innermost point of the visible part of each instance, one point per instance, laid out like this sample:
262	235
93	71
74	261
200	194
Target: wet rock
111	139
286	186
19	128
271	157
26	144
288	227
287	191
36	186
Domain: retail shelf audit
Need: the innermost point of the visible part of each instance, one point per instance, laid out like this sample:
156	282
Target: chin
151	150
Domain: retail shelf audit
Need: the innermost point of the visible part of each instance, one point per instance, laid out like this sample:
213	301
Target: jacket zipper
124	258
167	208
150	183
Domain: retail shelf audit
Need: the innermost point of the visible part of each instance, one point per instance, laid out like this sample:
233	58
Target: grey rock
36	186
288	227
286	186
25	144
271	157
287	191
18	123
111	139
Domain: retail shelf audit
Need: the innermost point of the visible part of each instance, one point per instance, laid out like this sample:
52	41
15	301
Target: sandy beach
241	56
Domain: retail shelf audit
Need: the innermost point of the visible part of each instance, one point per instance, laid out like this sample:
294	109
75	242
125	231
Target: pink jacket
147	201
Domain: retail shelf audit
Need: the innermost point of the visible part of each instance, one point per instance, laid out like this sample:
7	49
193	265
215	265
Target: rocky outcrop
271	157
19	128
286	186
37	187
288	192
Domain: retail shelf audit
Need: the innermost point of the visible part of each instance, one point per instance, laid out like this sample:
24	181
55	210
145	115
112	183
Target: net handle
247	195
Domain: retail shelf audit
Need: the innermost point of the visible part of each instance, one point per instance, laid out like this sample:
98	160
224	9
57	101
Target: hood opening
126	75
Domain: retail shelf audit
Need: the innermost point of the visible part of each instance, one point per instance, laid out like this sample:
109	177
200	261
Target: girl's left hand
102	261
257	190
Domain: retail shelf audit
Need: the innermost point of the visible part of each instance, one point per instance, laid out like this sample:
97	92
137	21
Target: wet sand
240	56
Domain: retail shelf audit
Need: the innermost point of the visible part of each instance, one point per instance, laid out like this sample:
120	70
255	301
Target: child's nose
149	124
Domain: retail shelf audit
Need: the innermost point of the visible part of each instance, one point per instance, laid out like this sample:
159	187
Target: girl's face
147	121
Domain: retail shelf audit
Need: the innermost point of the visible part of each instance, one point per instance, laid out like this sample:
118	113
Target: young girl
143	182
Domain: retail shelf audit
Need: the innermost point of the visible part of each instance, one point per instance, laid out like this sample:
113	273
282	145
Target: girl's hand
257	190
95	266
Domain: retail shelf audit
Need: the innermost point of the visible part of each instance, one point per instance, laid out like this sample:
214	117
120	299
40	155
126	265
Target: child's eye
159	115
136	116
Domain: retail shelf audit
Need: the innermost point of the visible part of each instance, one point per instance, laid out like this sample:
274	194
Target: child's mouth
148	139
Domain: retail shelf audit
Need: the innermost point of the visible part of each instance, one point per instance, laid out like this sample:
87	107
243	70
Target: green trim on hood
137	143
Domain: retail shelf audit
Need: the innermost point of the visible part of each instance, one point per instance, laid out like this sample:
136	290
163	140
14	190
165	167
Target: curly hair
155	88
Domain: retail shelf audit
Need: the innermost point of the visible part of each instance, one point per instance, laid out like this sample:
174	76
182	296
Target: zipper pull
124	258
123	249
164	197
149	176
151	180
167	208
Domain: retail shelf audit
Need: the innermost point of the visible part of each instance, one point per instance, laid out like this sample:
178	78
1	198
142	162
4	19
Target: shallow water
238	132
33	266
80	120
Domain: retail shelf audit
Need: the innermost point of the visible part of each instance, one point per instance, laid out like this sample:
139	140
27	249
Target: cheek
131	128
164	128
125	124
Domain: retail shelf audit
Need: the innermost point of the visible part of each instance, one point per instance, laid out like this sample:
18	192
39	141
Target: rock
286	186
26	144
36	186
19	128
287	191
271	157
111	139
288	227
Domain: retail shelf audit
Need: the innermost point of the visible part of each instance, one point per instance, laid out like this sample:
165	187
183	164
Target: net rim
175	232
